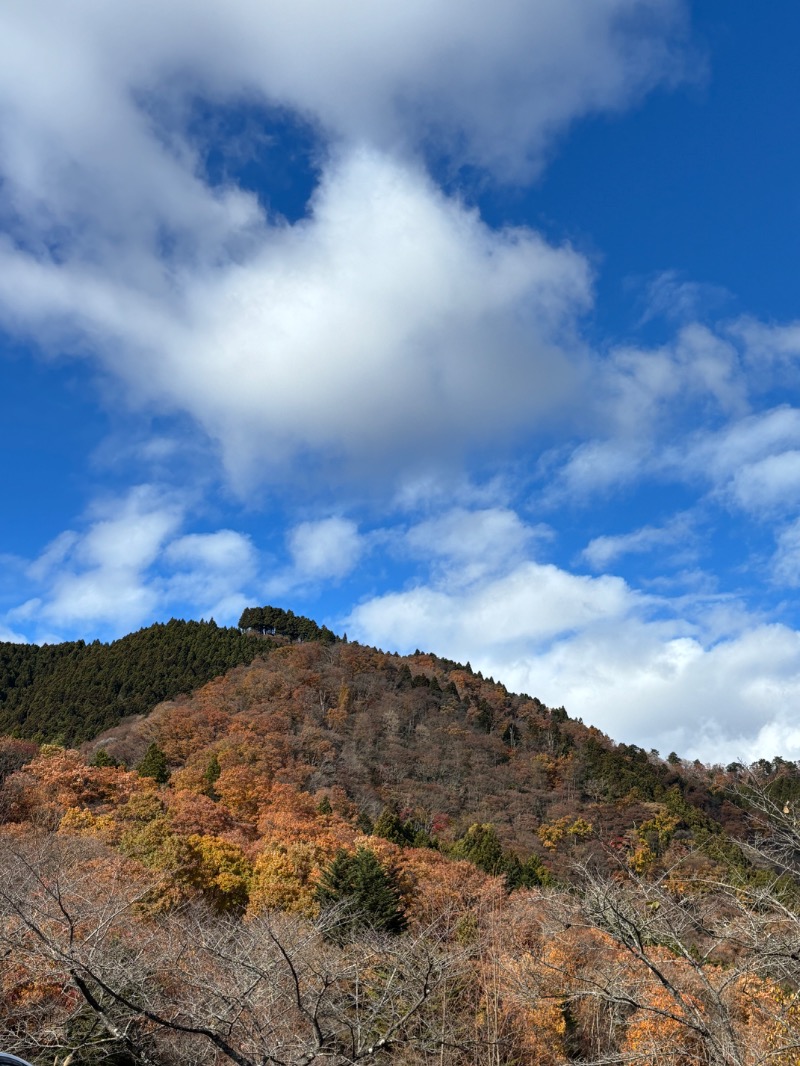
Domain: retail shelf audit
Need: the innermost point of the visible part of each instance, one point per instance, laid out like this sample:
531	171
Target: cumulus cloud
373	327
638	408
770	482
209	571
470	544
752	463
523	608
499	79
128	564
698	673
588	643
718	702
373	330
95	576
329	548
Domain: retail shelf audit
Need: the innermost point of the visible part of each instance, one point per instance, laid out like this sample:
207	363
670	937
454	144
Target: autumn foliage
334	855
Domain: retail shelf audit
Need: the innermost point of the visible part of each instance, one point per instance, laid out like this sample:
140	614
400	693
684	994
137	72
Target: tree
154	764
95	971
358	892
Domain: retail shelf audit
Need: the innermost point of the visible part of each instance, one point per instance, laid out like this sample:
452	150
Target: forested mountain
329	854
70	692
426	738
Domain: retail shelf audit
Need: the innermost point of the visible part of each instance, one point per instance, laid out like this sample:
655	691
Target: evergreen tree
211	776
102	758
363	893
481	845
391	827
154	764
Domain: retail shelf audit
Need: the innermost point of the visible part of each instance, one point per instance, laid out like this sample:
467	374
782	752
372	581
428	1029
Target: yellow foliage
217	868
285	877
553	833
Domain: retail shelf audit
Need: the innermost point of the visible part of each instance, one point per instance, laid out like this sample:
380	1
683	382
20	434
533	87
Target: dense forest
278	622
70	692
330	854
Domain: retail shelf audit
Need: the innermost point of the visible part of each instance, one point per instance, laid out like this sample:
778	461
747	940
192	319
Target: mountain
70	692
424	738
325	852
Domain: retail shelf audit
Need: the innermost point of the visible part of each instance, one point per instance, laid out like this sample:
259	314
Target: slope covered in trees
334	855
433	742
71	692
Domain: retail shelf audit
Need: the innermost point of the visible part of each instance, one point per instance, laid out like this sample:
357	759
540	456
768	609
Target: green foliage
102	758
389	826
526	874
74	691
625	769
481	846
211	776
362	893
154	764
267	620
364	823
485	718
406	834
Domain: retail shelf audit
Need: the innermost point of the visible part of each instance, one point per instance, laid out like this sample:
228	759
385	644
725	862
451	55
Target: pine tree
363	894
154	764
211	776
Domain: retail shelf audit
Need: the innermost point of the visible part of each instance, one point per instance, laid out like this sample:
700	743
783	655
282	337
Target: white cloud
641	682
129	565
772	350
473	543
96	577
641	401
669	296
208	571
501	79
768	483
752	463
525	607
372	329
329	548
10	636
601	551
786	560
596	467
695	673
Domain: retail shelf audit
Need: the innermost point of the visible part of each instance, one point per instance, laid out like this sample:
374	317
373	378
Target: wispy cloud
602	552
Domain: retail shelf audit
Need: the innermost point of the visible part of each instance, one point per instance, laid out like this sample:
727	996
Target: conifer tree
154	764
364	893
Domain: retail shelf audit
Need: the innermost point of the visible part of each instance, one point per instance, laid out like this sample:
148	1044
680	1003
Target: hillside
425	738
71	692
328	853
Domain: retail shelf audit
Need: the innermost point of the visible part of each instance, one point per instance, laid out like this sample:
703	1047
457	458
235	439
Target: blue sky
470	328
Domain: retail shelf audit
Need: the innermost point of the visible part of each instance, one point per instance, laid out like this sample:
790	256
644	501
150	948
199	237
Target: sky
466	327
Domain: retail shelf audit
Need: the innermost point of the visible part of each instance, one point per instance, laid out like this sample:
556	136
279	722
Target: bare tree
94	961
688	967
